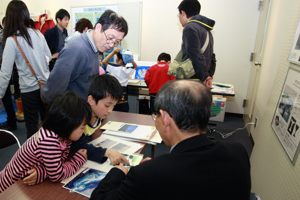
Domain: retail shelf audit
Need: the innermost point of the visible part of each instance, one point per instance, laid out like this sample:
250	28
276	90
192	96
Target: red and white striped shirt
47	154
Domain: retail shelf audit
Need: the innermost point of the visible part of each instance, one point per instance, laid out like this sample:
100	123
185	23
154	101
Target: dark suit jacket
52	38
196	168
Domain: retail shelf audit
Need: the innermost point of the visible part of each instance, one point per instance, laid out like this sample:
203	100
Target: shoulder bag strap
207	35
23	54
206	43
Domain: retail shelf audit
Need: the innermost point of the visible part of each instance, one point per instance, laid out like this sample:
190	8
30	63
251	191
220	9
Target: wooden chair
7	138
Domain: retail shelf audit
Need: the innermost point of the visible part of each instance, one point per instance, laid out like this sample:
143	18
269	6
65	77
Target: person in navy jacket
56	36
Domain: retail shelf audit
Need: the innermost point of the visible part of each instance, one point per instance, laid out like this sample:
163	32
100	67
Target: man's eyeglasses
111	41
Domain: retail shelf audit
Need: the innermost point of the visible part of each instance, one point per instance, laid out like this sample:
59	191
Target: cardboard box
218	109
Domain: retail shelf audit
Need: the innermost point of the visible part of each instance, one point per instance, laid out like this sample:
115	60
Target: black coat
196	168
52	38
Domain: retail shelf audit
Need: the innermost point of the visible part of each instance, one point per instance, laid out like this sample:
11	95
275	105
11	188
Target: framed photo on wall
294	55
286	119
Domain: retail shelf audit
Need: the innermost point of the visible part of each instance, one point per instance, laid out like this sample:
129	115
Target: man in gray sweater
78	63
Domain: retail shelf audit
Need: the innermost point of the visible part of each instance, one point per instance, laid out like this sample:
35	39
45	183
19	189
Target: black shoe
5	126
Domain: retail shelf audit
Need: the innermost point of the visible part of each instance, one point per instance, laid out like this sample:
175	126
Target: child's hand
117	50
83	152
32	178
115	157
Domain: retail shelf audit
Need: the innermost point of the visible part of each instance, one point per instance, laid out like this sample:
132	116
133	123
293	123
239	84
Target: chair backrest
7	138
254	196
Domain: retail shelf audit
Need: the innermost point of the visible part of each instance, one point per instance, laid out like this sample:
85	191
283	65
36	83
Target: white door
257	61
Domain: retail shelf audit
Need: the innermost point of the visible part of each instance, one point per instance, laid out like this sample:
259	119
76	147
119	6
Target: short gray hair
187	102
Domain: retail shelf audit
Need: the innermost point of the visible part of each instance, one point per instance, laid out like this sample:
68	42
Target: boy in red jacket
156	76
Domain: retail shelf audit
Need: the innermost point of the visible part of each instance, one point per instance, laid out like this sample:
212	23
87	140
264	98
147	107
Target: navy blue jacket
193	38
52	38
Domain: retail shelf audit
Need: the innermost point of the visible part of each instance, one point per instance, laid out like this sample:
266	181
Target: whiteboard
130	11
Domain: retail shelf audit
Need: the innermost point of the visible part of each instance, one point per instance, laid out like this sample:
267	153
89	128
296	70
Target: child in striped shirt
48	149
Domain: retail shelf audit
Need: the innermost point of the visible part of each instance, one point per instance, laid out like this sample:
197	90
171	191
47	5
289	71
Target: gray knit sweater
36	57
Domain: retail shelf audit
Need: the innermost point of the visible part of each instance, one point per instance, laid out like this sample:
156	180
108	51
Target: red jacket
156	76
44	24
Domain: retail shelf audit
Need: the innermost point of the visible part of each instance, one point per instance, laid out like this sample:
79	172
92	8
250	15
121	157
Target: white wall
273	175
234	34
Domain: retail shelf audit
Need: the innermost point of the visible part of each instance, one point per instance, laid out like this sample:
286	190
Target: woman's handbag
41	84
184	69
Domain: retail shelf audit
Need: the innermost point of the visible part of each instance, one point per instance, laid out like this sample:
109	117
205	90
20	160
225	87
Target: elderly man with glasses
78	63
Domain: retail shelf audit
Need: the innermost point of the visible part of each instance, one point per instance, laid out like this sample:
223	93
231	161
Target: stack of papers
85	181
91	174
222	88
87	178
134	81
132	132
118	136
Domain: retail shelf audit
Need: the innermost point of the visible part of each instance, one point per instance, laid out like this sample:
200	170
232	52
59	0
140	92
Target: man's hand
145	159
208	82
32	178
115	157
121	167
83	152
55	55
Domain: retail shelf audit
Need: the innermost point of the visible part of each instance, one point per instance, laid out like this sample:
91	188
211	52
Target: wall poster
286	119
92	13
294	55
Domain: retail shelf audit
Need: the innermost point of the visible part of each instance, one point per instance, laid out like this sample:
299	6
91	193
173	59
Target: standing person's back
156	76
36	49
195	34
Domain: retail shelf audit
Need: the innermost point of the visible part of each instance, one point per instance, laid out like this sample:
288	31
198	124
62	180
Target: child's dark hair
164	56
65	113
119	55
105	85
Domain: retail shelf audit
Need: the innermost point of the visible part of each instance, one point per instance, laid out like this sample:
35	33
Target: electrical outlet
255	121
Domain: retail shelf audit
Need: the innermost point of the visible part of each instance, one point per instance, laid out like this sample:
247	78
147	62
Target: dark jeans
152	98
32	107
9	108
